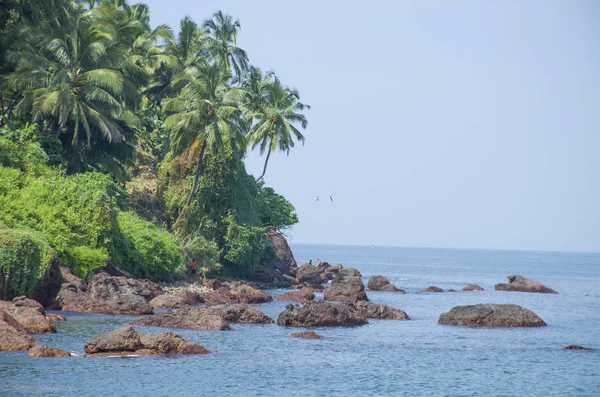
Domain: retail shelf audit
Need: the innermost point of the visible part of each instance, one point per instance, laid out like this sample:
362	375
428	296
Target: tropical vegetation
125	143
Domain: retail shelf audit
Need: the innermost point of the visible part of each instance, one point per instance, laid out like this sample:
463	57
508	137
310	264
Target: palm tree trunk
197	176
265	167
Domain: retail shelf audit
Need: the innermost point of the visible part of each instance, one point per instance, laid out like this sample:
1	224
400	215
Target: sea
418	357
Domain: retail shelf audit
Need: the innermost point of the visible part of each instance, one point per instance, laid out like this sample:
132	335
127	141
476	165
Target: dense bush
275	211
206	254
246	246
19	148
25	257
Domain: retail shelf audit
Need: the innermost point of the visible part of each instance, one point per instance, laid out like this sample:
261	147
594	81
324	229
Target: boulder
308	274
473	287
29	314
105	288
46	351
491	315
47	288
432	288
70	278
301	295
392	288
189	297
523	284
322	267
307	335
55	317
213	284
215	318
375	283
238	293
127	341
576	347
320	314
284	258
349	272
346	290
167	301
380	311
12	339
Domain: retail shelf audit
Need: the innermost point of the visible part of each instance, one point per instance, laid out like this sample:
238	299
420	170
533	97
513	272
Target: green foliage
83	259
19	148
145	250
246	246
25	257
205	253
275	211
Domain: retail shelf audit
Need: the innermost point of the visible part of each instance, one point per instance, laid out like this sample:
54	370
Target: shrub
275	211
246	246
83	259
205	253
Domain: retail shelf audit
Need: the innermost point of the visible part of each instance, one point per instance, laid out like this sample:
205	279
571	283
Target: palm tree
205	114
220	43
275	110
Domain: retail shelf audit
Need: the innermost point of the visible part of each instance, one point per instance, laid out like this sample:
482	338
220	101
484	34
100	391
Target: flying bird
317	198
330	198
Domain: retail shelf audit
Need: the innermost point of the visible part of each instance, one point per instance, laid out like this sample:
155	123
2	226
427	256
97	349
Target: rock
29	314
576	347
189	297
167	301
381	283
302	295
307	335
523	284
70	278
349	272
47	288
346	290
308	273
46	351
55	317
284	258
491	315
11	339
127	341
238	293
473	287
432	288
392	288
213	284
452	290
320	314
380	311
104	287
215	318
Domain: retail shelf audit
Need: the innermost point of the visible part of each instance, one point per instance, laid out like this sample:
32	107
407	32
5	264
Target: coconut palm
205	114
220	43
274	111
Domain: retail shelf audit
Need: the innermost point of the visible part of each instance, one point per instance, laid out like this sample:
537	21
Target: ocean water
384	358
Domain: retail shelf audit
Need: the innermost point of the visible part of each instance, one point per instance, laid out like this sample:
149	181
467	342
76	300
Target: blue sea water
384	358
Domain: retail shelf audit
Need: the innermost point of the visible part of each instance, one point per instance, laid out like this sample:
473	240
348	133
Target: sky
461	124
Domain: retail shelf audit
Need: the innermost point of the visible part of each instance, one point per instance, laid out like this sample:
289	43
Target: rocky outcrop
213	284
12	339
491	315
523	284
307	335
284	258
108	294
380	311
320	314
381	283
29	315
44	291
46	351
473	287
302	295
308	274
127	341
55	317
167	301
576	347
348	290
349	272
392	288
432	288
214	318
237	292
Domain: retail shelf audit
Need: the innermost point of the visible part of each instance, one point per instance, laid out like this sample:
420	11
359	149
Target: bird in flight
317	198
330	198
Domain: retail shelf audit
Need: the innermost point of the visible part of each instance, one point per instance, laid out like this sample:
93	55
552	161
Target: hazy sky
466	124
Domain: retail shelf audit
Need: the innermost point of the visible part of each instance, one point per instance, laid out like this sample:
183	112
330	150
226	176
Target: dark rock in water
302	295
29	314
473	287
576	347
348	290
523	284
308	274
491	315
127	341
432	288
12	339
46	351
376	283
307	335
216	318
349	272
55	317
380	311
320	314
167	301
238	292
392	288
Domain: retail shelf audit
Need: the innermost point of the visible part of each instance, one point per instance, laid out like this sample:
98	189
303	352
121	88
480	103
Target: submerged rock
302	295
348	290
491	315
380	311
523	284
307	335
473	287
216	318
127	341
46	351
432	288
55	317
12	339
320	314
576	347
